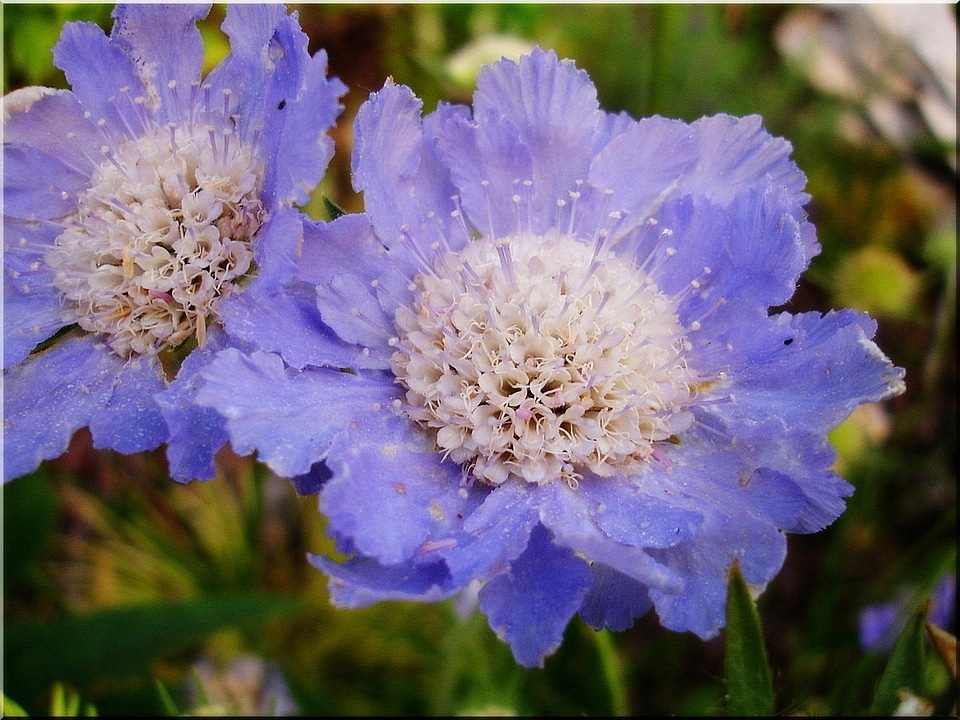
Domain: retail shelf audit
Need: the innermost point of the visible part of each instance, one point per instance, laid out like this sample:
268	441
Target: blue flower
543	360
136	206
882	623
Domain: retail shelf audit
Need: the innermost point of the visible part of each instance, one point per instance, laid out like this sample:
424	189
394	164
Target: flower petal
347	263
742	258
289	418
277	248
530	605
404	185
54	124
705	562
196	433
131	421
799	490
165	45
391	493
553	107
31	303
570	516
52	395
286	321
494	534
283	97
808	369
102	76
37	186
737	154
487	159
643	163
614	601
361	582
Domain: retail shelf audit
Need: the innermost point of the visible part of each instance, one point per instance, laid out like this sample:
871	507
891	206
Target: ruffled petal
288	417
37	186
386	155
286	321
391	493
48	397
277	248
611	125
405	186
247	72
31	303
488	161
360	582
636	511
165	45
494	534
283	98
569	516
643	163
196	433
131	421
705	477
614	601
299	129
794	470
346	262
346	244
737	154
705	562
808	370
528	146
103	78
552	106
743	258
530	605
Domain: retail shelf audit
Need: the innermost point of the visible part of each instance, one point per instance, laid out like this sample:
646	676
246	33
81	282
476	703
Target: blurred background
124	593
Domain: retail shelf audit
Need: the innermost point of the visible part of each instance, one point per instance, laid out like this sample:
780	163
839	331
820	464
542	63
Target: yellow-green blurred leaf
878	281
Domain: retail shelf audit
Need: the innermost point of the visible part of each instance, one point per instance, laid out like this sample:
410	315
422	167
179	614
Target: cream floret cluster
543	358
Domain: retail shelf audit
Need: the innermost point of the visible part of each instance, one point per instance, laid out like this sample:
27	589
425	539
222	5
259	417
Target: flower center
539	358
162	232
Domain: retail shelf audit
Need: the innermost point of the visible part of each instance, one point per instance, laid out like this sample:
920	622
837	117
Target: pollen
163	231
542	358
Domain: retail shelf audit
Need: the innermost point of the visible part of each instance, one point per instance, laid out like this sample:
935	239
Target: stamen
506	262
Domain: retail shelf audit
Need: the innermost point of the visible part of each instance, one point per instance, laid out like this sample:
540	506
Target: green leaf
333	210
121	642
749	688
905	667
29	509
11	709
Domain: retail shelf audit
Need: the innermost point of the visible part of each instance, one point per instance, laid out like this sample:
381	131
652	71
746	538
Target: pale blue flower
881	623
544	360
136	204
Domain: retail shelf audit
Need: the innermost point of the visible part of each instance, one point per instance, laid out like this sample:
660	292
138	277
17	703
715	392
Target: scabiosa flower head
543	361
136	205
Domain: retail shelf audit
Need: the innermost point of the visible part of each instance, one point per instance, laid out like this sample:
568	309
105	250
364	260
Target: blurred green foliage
116	579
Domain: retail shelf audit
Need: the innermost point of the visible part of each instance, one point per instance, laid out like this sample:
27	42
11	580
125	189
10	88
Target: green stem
612	672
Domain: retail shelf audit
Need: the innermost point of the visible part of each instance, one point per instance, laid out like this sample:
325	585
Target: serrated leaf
749	687
905	667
